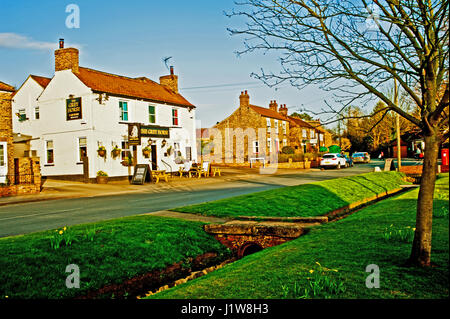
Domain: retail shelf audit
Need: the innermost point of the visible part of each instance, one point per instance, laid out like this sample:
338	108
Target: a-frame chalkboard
142	173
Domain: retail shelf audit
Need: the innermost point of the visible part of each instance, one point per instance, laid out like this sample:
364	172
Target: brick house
252	131
18	175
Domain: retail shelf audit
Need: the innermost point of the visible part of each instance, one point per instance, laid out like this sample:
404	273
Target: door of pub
154	158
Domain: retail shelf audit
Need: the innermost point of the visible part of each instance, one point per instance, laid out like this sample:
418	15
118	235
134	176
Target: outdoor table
160	174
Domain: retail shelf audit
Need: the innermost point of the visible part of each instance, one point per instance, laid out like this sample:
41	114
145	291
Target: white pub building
83	121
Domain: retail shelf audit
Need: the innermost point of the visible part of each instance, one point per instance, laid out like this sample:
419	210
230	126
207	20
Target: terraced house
253	132
83	120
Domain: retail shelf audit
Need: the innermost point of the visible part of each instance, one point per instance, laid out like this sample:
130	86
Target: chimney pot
61	43
171	70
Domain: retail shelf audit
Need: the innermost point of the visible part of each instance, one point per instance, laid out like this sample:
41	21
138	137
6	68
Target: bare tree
355	47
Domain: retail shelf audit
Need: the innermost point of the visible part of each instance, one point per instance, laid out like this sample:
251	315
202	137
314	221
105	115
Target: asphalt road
38	216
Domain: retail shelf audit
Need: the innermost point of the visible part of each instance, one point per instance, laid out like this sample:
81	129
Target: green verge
305	200
348	246
106	253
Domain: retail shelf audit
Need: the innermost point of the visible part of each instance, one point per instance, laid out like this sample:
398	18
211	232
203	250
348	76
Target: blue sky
132	37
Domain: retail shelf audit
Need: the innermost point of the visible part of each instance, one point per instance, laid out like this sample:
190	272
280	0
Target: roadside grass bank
107	253
331	261
305	200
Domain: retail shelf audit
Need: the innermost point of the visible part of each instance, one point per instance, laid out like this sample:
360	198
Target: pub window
125	151
284	127
312	134
36	113
151	114
82	148
269	144
188	153
176	148
123	106
49	153
284	142
174	117
22	115
276	126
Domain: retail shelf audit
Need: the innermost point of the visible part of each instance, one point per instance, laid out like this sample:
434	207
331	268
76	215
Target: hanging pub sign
73	109
155	131
134	134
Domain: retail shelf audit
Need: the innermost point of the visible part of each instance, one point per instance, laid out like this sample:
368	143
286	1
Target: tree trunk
421	249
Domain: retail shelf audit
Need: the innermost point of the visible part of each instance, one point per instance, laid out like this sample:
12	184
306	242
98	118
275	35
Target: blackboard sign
141	172
73	109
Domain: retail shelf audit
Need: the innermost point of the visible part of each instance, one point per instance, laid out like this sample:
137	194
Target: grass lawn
107	252
306	200
331	260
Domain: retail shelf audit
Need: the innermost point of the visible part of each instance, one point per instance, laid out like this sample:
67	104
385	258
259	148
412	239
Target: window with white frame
276	126
125	153
284	142
152	114
176	149
123	107
284	127
175	120
268	125
256	147
82	148
49	153
312	134
305	133
269	144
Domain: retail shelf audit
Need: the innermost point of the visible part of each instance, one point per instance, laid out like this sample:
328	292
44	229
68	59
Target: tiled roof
268	112
42	81
317	125
299	122
141	88
6	87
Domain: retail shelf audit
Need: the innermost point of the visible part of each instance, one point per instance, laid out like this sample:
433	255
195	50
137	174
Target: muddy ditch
159	280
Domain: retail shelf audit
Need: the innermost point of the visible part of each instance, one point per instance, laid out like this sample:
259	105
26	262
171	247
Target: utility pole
397	122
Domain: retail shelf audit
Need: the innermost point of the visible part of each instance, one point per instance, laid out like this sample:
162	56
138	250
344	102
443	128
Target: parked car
333	160
361	157
349	160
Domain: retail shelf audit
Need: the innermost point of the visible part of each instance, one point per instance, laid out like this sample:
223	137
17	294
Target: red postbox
444	158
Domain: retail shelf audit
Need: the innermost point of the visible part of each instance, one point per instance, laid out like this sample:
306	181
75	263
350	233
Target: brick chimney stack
244	99
66	58
283	110
170	81
273	105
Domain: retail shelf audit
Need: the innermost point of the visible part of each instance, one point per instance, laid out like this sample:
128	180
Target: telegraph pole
397	122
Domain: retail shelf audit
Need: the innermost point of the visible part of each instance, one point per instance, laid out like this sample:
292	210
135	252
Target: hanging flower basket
146	152
115	152
101	151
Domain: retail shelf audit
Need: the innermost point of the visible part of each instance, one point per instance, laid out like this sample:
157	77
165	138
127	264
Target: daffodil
64	228
60	232
311	271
